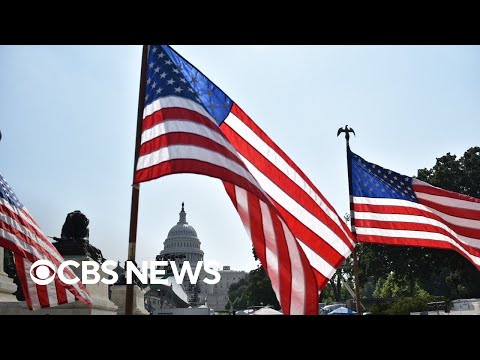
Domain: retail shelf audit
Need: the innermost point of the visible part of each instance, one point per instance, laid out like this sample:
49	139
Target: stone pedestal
119	295
98	292
476	307
7	286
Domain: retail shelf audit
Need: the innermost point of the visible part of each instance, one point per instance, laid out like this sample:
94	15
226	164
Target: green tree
327	295
259	289
408	298
407	305
440	272
335	285
368	287
395	287
254	289
240	304
335	289
460	175
237	289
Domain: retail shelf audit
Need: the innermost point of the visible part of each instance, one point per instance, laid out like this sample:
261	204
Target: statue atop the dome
183	215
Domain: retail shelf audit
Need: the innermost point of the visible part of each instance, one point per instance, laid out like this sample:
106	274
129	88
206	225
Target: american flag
394	209
191	126
20	233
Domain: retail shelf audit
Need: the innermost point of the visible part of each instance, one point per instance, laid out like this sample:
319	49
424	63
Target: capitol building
182	240
182	243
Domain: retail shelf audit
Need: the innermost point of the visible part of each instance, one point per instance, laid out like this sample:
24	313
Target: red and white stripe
20	233
293	228
442	219
323	236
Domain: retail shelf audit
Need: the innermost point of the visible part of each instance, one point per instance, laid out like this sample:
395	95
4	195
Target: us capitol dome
182	239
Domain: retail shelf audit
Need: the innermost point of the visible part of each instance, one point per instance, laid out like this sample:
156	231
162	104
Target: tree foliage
395	287
335	290
255	289
404	306
440	272
401	297
460	175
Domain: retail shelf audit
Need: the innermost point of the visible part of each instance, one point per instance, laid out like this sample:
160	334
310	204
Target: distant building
217	295
182	239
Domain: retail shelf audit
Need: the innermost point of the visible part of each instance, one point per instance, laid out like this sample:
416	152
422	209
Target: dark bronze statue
122	280
122	277
74	237
75	227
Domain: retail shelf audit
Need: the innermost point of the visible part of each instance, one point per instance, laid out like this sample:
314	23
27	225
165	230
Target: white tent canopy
267	311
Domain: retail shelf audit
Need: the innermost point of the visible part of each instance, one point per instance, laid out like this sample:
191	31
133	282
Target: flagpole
347	132
132	240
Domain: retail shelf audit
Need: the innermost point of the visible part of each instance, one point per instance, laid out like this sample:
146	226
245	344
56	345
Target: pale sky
68	119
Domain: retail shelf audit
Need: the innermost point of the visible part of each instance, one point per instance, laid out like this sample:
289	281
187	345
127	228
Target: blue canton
371	180
7	194
169	74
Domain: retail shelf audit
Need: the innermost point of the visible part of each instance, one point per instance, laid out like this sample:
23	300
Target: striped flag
20	233
191	126
394	209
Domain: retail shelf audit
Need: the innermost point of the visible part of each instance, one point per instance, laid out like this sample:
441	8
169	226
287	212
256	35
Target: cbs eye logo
42	272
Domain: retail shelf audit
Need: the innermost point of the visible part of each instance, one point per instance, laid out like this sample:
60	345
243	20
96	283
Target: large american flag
20	233
394	209
191	126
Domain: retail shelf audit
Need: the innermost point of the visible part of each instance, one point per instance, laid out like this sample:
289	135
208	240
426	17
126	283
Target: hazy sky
68	119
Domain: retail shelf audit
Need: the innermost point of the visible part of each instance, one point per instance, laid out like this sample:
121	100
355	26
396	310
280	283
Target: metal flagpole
347	132
132	240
